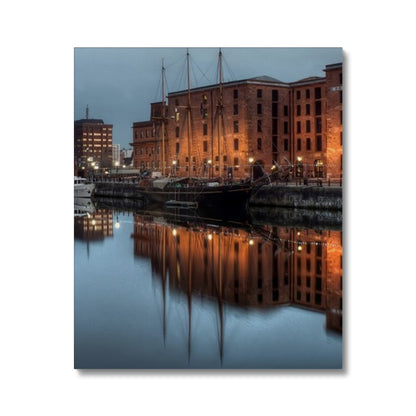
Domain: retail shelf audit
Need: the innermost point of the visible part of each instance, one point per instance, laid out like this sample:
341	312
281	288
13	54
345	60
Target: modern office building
93	145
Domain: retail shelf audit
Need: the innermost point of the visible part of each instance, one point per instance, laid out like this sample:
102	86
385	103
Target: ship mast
220	110
163	119
189	115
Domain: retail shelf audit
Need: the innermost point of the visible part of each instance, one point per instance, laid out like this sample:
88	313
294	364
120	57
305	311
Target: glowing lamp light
251	160
251	242
93	222
117	225
299	248
209	237
299	158
174	232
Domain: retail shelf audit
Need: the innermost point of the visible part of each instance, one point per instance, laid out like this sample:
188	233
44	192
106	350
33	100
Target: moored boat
83	189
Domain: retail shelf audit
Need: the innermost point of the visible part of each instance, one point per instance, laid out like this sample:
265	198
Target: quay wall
305	197
117	190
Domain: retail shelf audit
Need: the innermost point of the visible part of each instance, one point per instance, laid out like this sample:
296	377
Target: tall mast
163	119
189	114
220	108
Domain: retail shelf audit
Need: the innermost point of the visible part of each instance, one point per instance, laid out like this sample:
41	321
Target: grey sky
118	84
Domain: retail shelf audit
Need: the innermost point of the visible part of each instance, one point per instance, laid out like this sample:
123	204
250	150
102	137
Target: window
308	144
259	109
285	110
286	145
319	143
340	78
235	109
308	126
286	127
274	126
318	298
318	125
259	127
177	148
236	163
274	109
340	117
318	108
205	129
298	95
205	145
235	144
275	95
235	94
259	143
298	127
298	110
308	94
340	97
299	144
236	126
259	93
177	132
317	93
318	284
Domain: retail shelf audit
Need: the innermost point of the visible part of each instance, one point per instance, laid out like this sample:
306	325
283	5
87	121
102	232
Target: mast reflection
247	267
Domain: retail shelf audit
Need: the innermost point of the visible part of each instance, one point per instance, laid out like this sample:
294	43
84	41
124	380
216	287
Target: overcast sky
118	84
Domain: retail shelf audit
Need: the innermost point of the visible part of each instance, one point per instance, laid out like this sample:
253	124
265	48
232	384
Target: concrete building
93	145
255	122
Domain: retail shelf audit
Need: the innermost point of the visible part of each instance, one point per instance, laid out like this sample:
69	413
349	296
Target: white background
36	72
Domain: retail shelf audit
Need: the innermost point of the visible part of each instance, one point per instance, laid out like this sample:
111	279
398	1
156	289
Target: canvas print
208	208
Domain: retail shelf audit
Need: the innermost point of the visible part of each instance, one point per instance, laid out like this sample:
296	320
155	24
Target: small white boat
83	189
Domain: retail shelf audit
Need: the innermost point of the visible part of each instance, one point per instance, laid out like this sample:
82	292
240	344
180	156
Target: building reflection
94	225
262	268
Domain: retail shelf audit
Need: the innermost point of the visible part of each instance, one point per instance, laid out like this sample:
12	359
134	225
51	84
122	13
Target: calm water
157	291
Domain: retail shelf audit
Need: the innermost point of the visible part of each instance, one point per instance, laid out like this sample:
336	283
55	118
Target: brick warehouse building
93	145
264	121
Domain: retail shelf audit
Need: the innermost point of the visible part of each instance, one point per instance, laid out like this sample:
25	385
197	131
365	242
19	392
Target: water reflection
250	293
256	267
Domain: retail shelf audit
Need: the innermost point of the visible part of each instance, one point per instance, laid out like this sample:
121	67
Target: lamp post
251	160
209	168
174	167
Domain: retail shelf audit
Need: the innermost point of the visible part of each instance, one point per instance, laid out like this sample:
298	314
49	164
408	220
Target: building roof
264	78
308	80
89	121
333	66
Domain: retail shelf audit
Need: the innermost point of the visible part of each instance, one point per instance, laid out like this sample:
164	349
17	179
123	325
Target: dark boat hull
223	198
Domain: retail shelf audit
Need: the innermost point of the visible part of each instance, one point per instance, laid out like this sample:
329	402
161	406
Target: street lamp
209	168
251	160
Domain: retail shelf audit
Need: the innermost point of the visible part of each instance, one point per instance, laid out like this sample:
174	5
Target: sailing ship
210	193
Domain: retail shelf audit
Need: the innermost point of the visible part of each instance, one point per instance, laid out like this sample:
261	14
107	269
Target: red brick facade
263	121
